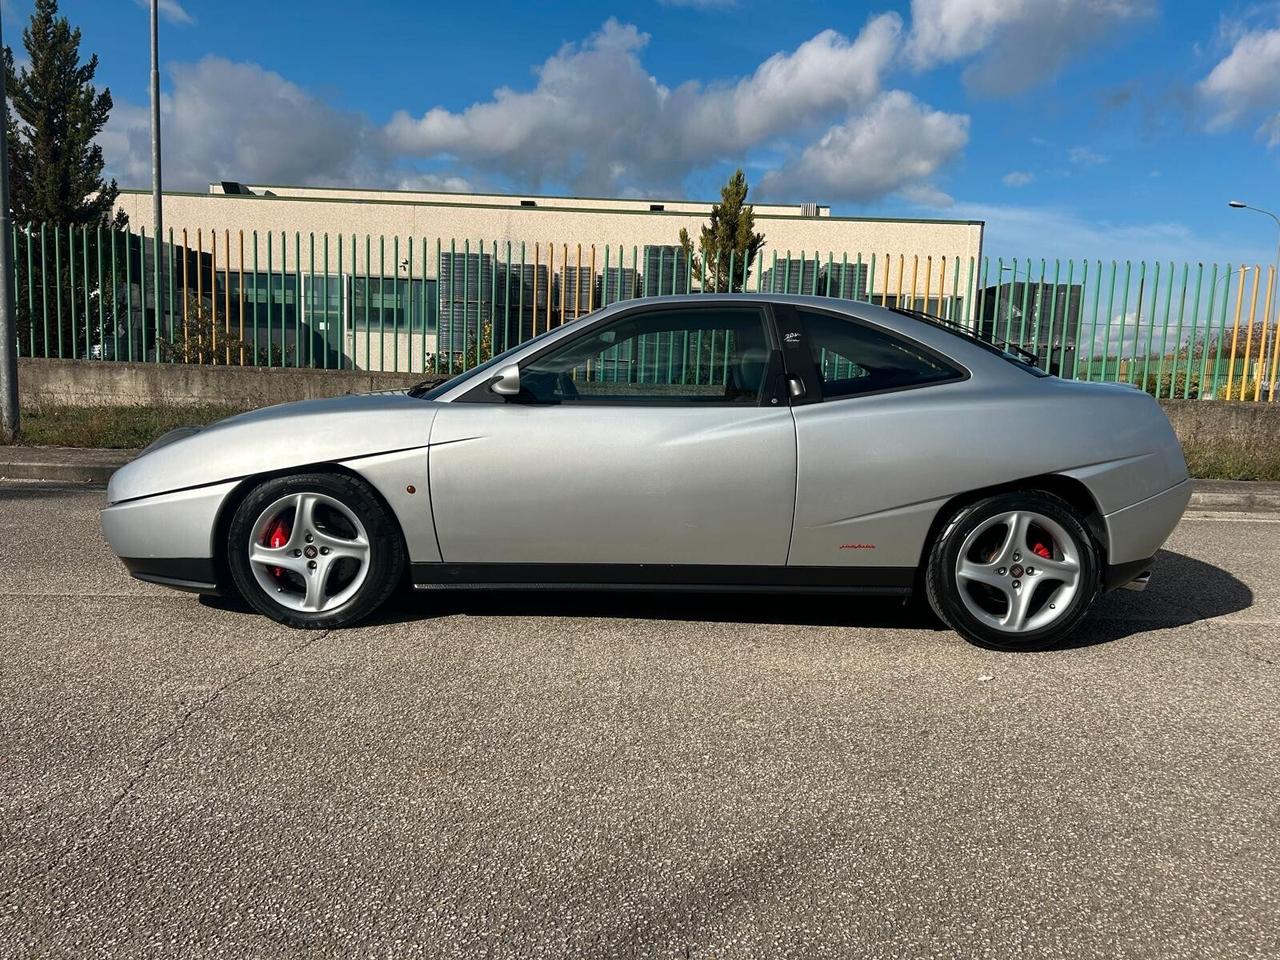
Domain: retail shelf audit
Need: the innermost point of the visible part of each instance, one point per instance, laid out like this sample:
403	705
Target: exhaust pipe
1138	583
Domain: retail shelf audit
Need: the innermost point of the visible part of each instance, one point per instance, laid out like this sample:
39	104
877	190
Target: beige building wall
645	205
911	256
555	222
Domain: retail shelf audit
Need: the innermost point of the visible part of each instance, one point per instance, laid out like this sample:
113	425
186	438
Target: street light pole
157	213
10	424
1241	205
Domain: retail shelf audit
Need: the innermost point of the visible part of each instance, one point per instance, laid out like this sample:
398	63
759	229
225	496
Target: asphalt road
562	775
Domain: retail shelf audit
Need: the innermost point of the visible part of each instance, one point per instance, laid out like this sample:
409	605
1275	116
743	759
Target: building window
400	305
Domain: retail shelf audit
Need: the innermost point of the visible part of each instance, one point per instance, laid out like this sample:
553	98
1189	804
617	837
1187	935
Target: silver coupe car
708	442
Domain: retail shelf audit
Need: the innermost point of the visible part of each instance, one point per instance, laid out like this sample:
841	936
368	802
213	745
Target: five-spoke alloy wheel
315	550
1013	571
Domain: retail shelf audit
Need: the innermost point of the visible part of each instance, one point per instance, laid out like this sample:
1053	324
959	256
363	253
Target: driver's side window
691	355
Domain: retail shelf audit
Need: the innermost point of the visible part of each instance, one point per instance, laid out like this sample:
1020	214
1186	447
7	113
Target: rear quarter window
854	358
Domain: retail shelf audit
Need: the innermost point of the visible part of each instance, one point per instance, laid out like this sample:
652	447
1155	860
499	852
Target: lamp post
157	213
9	420
1241	205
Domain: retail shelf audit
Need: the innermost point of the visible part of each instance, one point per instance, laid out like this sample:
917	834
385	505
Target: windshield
424	391
1020	358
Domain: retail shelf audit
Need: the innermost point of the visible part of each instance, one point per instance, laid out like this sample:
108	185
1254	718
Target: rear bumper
1135	533
1132	574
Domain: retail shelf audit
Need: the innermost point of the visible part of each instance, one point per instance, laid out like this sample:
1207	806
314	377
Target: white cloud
895	146
1270	131
171	10
287	136
787	91
1016	43
1083	156
644	135
594	120
1244	84
1018	178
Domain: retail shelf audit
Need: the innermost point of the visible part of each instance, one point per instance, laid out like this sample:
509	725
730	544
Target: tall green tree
728	243
55	166
56	170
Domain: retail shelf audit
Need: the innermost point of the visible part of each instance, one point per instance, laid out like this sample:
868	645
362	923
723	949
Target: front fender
278	438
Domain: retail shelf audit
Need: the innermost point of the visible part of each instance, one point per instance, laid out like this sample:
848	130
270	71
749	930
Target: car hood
276	438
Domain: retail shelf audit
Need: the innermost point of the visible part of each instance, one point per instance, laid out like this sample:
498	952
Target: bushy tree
728	240
55	166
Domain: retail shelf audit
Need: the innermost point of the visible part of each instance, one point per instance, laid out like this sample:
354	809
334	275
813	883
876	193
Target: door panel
877	450
873	473
515	483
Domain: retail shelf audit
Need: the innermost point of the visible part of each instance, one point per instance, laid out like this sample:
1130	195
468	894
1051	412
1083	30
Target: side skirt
883	581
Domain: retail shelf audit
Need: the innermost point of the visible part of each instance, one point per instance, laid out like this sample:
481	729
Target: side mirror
506	382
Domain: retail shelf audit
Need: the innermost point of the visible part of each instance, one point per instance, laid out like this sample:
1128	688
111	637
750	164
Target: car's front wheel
1016	571
315	550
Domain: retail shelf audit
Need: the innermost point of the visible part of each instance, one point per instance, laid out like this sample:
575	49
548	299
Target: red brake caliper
1040	550
277	538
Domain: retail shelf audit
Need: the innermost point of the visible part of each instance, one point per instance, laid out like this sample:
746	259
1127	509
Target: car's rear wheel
1016	571
316	550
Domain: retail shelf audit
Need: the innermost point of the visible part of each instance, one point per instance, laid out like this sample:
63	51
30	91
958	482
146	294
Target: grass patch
112	427
1221	460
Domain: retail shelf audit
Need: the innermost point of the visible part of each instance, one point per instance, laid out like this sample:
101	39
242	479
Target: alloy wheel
309	552
1018	571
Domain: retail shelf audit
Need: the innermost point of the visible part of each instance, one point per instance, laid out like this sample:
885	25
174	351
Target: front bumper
197	574
168	539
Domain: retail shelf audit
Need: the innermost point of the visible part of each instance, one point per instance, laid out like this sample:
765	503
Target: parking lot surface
561	775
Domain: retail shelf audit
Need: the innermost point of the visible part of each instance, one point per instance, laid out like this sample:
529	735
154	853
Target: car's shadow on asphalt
1183	590
694	606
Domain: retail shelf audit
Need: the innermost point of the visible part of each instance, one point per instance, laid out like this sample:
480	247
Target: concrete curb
1235	496
76	465
86	465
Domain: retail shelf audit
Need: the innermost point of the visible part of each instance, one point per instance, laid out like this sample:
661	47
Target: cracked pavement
554	775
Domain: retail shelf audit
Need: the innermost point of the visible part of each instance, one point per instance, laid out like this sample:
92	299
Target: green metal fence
430	305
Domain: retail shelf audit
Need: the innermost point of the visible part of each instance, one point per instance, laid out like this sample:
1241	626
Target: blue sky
1112	128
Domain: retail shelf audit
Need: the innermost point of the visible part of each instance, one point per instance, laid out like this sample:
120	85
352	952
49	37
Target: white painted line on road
1221	518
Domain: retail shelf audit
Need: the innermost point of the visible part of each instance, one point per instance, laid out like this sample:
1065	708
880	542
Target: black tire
943	586
386	552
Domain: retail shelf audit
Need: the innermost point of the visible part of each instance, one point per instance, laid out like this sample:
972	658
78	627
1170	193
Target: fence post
1191	344
1260	368
1248	336
1235	334
1168	301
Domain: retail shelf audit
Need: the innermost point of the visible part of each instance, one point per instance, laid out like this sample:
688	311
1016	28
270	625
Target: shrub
205	341
1158	385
